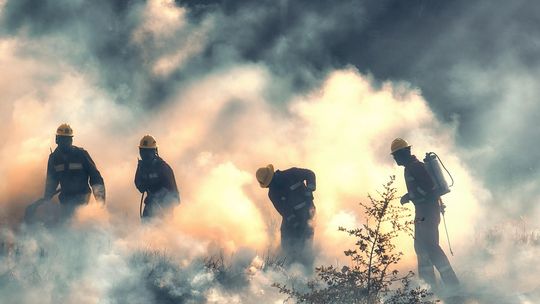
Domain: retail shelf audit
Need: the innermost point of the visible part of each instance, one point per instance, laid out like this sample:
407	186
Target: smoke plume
226	87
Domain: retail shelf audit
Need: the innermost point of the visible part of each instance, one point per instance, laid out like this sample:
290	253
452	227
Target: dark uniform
426	228
156	178
75	171
291	194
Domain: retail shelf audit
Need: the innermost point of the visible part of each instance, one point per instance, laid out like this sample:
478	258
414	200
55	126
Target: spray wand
443	207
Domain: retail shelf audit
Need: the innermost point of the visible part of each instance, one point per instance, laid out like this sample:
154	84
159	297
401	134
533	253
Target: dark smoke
474	62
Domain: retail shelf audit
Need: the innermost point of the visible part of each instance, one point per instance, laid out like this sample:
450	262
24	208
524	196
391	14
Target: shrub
371	276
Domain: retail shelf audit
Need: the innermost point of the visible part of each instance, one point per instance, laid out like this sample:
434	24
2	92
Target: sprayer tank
433	167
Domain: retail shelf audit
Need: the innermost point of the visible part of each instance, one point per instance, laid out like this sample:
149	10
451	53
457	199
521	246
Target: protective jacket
157	178
420	186
75	171
291	194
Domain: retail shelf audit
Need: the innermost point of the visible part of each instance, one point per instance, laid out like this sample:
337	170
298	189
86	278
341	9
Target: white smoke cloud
166	37
214	131
341	131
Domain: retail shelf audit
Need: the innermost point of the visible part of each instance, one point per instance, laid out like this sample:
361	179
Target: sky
230	86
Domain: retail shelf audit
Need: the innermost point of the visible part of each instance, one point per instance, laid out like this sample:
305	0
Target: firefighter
155	177
420	188
291	193
75	171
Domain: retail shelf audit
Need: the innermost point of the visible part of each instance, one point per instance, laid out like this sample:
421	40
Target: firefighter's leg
70	204
438	257
293	242
287	244
67	211
307	255
425	265
148	211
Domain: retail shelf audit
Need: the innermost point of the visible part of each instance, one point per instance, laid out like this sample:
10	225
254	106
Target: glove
142	188
404	199
442	206
99	193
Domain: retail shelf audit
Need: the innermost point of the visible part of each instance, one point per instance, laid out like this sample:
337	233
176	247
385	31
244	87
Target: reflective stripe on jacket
75	171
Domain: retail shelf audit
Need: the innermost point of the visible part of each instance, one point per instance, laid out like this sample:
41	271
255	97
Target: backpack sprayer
433	166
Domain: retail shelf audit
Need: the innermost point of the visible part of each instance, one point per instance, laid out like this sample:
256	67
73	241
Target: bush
371	277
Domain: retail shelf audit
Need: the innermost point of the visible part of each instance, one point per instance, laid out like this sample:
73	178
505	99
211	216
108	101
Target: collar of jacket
411	161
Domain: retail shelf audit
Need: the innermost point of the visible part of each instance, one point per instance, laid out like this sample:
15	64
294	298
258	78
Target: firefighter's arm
99	192
405	199
309	177
139	181
51	182
96	181
311	184
169	181
423	183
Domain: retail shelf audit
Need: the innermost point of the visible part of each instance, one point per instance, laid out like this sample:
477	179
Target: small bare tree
371	277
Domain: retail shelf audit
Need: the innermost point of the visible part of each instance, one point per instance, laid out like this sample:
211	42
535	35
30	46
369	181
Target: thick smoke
474	63
226	87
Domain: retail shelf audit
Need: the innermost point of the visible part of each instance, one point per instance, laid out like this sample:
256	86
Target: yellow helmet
64	130
265	175
398	144
148	142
